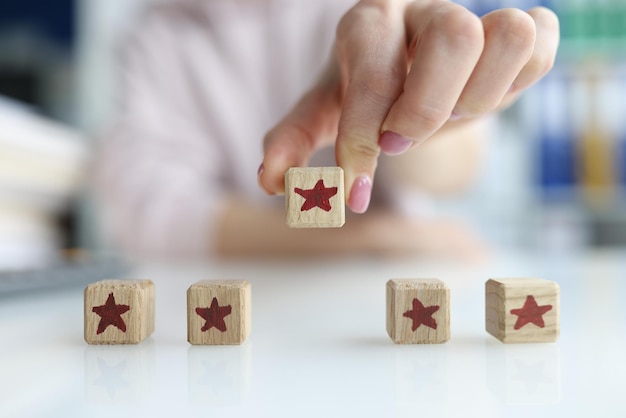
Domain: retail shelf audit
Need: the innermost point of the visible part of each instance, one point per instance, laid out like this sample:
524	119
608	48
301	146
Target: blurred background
554	179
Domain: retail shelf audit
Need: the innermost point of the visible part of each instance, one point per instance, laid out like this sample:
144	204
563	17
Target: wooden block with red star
418	311
218	312
119	311
522	310
315	197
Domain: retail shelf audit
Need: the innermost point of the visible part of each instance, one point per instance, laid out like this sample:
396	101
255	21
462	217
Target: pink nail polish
258	179
455	116
360	194
392	143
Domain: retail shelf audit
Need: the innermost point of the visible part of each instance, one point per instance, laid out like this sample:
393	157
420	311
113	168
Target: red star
110	314
317	196
214	315
530	312
422	315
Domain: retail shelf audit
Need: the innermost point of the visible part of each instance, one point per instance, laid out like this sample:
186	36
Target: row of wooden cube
516	310
122	312
418	311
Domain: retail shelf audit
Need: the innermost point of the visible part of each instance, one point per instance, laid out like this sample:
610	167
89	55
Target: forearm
246	229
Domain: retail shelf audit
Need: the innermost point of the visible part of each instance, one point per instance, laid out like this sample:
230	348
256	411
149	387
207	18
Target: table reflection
119	374
524	373
219	375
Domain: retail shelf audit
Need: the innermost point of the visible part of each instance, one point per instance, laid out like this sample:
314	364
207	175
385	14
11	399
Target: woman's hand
400	73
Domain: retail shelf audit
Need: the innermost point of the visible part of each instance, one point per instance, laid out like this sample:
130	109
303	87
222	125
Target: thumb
311	125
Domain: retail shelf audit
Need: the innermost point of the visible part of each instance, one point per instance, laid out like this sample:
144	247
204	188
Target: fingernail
392	143
455	116
360	194
258	179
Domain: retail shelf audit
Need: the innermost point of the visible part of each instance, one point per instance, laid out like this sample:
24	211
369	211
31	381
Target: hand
400	73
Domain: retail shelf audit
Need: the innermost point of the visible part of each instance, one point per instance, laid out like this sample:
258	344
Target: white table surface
319	348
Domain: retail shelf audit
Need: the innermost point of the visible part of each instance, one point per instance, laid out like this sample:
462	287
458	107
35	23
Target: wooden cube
119	311
418	311
315	197
218	312
522	310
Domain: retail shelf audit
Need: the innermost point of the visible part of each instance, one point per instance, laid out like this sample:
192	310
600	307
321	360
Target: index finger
447	43
371	48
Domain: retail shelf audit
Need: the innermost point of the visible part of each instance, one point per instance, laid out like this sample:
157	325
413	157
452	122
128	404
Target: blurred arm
262	232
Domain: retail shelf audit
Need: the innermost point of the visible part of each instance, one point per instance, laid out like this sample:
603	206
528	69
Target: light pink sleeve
158	173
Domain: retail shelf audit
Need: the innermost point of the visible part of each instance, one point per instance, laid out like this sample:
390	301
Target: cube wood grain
418	311
522	310
314	197
218	312
119	311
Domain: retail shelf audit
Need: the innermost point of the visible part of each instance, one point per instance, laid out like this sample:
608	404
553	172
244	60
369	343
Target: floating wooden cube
119	311
522	310
315	197
218	312
418	311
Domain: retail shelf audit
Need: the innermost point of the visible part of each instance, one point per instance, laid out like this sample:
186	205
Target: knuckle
540	64
269	139
302	136
514	27
478	106
546	17
360	146
429	118
288	136
379	89
458	26
361	19
543	57
347	24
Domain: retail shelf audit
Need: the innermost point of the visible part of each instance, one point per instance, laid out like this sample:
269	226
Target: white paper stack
42	167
